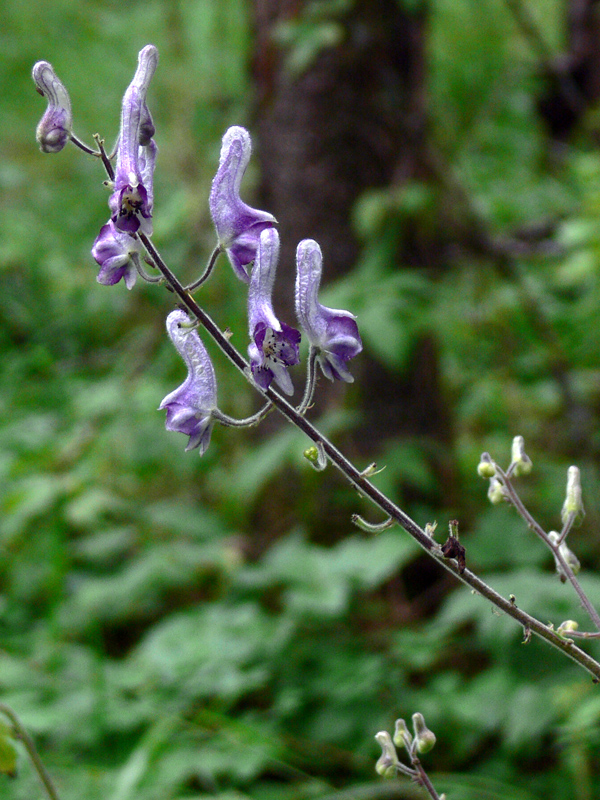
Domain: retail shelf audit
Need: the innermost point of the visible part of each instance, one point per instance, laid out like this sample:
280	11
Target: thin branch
36	761
247	422
311	381
209	268
524	513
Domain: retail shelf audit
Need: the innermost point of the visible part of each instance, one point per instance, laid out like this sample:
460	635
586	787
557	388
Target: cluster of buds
572	512
247	236
420	741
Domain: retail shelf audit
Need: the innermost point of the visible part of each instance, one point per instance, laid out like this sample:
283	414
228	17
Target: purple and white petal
131	200
333	332
238	225
116	252
190	406
54	129
274	346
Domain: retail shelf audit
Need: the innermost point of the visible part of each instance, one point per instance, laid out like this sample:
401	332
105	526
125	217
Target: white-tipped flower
388	760
54	129
573	503
519	458
424	738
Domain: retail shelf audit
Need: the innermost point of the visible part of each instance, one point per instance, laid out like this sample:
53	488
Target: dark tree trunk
354	118
574	77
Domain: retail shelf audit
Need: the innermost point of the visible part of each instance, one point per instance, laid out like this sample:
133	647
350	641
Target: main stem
361	484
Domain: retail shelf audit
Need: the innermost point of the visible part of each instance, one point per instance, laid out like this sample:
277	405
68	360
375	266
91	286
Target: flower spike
332	332
190	407
274	345
238	226
54	129
132	198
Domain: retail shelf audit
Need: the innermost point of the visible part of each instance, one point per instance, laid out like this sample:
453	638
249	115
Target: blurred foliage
176	627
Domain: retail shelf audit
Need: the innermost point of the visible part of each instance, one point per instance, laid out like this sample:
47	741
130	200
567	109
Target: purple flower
117	254
238	226
189	408
131	200
334	333
274	345
54	129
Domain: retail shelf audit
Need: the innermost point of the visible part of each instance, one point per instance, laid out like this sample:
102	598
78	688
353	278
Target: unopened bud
519	458
568	555
388	760
486	467
55	126
316	457
496	493
573	503
424	738
567	626
402	736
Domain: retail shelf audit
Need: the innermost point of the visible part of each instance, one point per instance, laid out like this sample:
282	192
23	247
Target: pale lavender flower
190	407
238	226
117	254
333	332
274	345
132	197
54	129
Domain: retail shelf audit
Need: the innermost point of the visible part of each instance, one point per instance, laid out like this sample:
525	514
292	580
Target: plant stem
36	761
523	512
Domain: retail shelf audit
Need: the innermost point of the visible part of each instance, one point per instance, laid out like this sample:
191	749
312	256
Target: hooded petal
333	332
55	126
238	226
116	253
190	406
131	200
274	346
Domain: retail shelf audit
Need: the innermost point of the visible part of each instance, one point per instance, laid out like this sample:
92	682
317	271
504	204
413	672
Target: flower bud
424	738
388	760
567	626
519	458
402	736
55	126
496	493
568	555
316	457
573	503
486	467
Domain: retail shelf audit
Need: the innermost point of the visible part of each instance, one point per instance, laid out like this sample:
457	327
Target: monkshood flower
132	197
238	226
332	332
190	407
274	345
117	254
55	126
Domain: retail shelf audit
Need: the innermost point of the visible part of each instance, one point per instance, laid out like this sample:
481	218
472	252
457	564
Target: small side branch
36	761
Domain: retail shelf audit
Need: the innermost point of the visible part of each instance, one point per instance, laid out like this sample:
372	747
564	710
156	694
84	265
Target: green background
147	648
